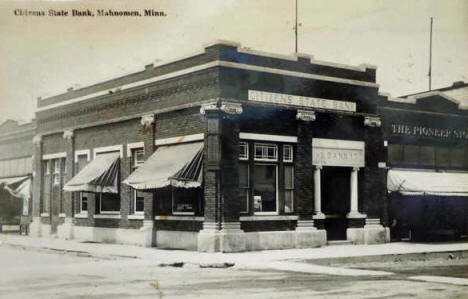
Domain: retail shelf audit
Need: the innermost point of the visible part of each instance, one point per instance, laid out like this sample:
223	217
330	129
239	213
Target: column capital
208	107
318	167
231	108
305	115
372	121
355	168
37	140
68	134
147	120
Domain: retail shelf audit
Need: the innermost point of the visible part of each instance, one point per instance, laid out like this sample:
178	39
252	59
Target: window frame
245	145
247	190
135	162
56	174
108	212
80	197
134	196
290	159
265	146
292	190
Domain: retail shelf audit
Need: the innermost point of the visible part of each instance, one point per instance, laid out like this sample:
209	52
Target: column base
305	225
355	215
35	227
372	233
232	237
65	230
150	234
229	239
319	216
208	238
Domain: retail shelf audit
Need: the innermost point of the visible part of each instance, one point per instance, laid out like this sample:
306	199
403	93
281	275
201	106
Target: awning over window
100	175
409	182
17	186
176	165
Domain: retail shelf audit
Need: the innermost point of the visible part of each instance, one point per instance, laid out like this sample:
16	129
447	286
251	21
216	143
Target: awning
409	182
17	186
100	175
175	165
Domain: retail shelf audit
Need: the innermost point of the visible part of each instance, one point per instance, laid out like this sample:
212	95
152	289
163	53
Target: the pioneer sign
288	99
424	131
333	152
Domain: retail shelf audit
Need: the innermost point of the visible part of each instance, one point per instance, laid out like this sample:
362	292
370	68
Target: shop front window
288	189
183	201
109	203
265	188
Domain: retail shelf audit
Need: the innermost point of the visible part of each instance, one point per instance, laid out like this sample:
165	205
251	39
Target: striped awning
174	165
17	186
100	175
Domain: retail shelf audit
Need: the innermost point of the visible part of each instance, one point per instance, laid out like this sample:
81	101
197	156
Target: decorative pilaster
221	229
35	227
65	230
148	122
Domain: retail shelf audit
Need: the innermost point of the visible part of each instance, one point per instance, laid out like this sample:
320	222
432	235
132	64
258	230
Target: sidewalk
289	259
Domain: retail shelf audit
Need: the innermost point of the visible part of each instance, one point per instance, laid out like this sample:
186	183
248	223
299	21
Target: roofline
451	87
293	57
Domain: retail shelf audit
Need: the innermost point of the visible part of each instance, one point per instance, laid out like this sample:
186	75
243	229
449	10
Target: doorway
335	185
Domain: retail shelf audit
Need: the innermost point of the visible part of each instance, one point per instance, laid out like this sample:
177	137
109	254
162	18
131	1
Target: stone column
354	212
221	228
35	227
65	231
318	193
307	234
148	129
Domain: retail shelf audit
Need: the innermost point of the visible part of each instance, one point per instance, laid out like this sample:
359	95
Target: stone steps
339	242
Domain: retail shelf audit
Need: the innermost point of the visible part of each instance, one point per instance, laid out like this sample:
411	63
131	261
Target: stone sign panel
288	99
334	152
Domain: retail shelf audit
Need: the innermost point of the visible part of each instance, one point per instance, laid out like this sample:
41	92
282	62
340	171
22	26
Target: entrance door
335	185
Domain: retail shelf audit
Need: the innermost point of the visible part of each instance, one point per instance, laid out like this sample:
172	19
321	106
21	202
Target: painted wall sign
334	152
423	131
288	99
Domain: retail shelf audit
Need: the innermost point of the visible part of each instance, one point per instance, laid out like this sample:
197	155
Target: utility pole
295	29
430	57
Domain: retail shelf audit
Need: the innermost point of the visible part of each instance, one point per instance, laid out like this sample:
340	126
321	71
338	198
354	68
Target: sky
43	56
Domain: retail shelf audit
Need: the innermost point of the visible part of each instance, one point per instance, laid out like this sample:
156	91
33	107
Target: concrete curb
400	257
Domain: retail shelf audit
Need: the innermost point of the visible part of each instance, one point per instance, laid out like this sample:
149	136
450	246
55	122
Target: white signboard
334	152
288	99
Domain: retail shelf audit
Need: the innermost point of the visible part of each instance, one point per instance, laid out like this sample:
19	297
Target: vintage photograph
234	149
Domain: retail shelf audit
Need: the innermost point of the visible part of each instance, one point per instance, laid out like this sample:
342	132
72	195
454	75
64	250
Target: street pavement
51	268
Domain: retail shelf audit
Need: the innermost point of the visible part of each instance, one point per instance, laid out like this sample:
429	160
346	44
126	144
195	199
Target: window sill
62	215
81	215
268	217
184	213
180	218
107	216
136	217
44	214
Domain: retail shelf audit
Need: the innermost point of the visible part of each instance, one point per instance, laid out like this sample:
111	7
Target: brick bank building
227	150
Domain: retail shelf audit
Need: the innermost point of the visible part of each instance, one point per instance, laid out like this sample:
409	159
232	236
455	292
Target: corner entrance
335	185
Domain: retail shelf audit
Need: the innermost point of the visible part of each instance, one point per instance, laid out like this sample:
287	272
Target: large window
138	202
109	203
183	201
56	163
265	177
265	188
